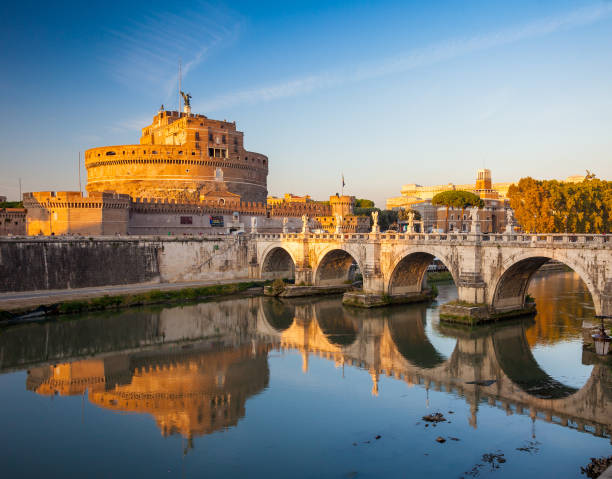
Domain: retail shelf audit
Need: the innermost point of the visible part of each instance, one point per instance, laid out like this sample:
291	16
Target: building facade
412	194
178	158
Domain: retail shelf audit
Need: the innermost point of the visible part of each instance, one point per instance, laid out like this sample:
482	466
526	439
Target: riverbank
439	276
90	299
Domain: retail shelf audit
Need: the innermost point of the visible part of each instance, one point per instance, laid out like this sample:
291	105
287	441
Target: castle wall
65	263
68	212
12	221
38	264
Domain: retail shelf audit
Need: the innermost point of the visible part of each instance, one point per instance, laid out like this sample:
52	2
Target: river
257	387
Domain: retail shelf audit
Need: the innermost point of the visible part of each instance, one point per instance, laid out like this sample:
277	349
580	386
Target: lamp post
602	341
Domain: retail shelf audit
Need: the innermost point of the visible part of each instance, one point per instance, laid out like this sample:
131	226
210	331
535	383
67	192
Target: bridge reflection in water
194	368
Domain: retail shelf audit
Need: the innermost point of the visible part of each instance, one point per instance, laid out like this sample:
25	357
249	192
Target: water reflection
194	368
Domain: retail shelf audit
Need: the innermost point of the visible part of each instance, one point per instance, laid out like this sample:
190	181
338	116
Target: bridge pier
606	300
303	276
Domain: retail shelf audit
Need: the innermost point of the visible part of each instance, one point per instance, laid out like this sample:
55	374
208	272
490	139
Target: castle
178	158
189	175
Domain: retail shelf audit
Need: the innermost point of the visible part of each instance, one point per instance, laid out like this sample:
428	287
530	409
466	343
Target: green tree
402	215
385	217
456	199
363	203
11	204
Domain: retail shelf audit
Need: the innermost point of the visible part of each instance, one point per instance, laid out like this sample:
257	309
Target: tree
403	215
550	206
385	217
363	203
456	199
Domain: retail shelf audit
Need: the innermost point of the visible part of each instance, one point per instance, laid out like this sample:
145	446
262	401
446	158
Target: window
223	139
197	135
210	137
186	220
211	152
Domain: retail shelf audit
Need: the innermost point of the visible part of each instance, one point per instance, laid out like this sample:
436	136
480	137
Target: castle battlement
178	157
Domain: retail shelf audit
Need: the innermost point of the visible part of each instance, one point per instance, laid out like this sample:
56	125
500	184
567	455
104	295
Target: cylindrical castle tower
177	158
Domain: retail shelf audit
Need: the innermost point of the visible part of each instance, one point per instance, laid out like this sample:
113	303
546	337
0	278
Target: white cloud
147	52
413	59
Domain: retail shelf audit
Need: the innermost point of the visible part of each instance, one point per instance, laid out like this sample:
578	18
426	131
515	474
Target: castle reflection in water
193	368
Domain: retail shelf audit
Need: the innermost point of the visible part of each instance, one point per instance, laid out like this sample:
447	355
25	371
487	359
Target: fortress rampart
178	158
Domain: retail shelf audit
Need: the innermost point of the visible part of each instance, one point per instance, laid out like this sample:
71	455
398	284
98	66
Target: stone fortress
189	175
178	158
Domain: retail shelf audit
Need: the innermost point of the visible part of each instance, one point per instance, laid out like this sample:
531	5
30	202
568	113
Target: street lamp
602	341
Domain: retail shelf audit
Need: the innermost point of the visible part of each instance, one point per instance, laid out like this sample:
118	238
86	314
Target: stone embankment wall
64	263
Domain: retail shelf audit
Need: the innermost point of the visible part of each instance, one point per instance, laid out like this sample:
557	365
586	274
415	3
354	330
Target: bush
278	286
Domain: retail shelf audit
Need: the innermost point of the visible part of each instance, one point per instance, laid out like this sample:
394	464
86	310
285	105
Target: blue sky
387	92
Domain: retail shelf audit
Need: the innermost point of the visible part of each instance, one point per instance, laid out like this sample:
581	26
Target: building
178	158
2	199
12	221
412	194
343	207
491	218
289	198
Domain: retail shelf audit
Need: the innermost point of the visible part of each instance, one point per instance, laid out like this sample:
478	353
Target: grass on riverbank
139	299
439	276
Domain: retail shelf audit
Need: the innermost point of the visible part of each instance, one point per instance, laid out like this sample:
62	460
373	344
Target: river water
256	387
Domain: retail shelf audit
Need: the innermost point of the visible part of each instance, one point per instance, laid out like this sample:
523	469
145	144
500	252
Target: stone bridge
493	364
490	270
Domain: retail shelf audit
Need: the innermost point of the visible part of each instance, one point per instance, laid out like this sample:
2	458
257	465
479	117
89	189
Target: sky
386	93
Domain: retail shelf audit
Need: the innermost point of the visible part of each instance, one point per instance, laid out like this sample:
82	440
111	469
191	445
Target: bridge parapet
523	238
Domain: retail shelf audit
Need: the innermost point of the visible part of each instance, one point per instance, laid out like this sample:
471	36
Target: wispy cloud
146	52
412	59
130	124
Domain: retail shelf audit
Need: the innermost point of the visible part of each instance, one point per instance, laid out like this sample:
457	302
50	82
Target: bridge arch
509	286
408	268
277	263
335	266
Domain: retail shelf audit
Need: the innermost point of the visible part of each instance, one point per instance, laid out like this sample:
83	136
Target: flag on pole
343	183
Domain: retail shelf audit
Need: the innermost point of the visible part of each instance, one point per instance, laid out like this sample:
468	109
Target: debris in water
435	417
378	437
454	439
494	459
530	447
596	467
440	439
